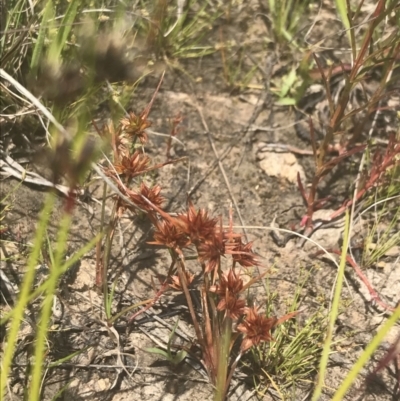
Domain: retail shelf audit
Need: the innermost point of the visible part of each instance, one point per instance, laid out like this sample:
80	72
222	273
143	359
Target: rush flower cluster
197	228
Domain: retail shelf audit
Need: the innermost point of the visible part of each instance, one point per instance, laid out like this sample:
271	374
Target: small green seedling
286	87
175	359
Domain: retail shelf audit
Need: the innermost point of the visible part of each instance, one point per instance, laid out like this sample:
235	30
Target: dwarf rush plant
226	317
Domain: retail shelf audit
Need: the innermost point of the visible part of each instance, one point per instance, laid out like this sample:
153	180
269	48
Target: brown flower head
135	126
132	165
233	306
228	289
198	224
210	252
230	283
231	238
118	142
243	254
152	194
169	234
176	281
256	328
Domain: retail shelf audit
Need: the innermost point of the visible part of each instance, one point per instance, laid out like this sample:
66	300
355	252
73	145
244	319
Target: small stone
281	165
74	383
17	389
103	384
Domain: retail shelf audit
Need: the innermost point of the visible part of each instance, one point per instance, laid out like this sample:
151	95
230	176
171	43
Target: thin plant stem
106	259
182	278
99	264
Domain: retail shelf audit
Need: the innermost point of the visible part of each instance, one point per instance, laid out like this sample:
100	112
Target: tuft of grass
383	210
236	74
6	206
384	234
291	359
285	18
179	32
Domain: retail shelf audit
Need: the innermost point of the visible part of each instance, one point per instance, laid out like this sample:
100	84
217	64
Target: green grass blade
55	272
71	261
342	11
64	31
67	358
25	291
158	351
48	14
334	313
366	355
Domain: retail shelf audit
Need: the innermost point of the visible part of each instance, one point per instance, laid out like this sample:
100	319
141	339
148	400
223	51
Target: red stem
356	267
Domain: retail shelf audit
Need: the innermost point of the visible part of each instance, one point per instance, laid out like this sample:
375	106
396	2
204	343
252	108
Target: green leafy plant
285	89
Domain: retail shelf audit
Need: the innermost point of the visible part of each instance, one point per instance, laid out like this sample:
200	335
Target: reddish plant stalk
374	295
